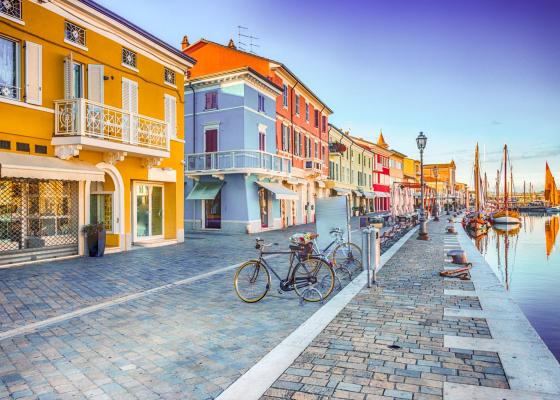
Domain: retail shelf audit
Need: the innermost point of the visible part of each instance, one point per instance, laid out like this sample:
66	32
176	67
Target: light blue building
233	175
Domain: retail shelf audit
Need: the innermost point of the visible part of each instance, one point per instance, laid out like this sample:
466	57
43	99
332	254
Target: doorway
213	212
148	211
264	207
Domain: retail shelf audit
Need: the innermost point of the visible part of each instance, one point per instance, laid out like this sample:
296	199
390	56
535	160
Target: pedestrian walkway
388	342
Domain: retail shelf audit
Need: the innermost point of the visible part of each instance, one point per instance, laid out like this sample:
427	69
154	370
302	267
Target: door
149	211
210	145
213	212
263	206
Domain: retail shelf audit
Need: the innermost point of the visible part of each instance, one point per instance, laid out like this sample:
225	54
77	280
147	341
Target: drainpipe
194	143
293	132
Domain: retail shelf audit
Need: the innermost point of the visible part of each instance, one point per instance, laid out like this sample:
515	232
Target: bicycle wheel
251	281
347	255
313	279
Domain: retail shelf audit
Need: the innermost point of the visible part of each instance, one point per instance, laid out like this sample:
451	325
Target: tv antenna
243	36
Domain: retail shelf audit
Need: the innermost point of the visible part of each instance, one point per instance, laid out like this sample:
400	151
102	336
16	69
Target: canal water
527	260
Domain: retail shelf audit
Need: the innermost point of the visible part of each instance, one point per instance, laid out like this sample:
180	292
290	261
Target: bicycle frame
288	283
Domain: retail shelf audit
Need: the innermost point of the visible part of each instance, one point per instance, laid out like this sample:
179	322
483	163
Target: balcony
314	165
237	161
82	123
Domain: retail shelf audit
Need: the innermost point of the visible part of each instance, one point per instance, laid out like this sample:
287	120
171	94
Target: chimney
231	44
185	43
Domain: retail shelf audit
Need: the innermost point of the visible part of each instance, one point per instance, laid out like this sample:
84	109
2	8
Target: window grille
169	76
128	58
75	34
11	8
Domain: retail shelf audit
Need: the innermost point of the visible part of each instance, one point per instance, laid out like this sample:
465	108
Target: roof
249	70
202	40
398	153
371	146
381	141
137	29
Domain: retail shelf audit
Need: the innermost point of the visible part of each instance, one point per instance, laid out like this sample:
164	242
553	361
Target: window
285	138
262	141
261	102
9	69
324	153
316	150
324	123
169	76
316	115
285	95
297	104
129	58
11	8
75	34
211	102
307	112
75	83
297	144
101	206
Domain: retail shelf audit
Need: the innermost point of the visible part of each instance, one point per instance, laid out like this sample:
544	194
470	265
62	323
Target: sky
485	71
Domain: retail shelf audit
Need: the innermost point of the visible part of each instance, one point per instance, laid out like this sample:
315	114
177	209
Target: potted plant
95	234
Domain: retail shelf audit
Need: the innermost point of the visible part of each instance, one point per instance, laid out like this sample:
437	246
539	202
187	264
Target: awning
280	192
321	184
40	167
382	194
342	192
205	190
369	195
357	193
295	181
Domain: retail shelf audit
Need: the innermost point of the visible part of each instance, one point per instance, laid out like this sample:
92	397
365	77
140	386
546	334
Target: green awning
205	190
280	192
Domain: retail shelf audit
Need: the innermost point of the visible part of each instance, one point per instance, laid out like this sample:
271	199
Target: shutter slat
96	83
33	73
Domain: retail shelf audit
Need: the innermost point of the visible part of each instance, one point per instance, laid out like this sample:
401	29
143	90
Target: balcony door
148	211
210	144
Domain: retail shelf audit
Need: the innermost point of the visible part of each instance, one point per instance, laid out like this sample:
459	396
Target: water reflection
528	266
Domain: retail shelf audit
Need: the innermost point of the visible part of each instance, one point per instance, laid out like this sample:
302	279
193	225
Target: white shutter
96	83
33	73
125	94
68	78
170	108
134	97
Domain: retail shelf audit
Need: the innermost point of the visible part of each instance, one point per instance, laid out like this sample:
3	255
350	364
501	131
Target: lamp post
447	199
436	202
421	141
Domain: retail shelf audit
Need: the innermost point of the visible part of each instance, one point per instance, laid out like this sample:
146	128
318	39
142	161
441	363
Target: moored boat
551	193
506	215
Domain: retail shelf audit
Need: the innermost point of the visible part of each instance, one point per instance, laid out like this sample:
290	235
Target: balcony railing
313	164
237	161
9	92
82	117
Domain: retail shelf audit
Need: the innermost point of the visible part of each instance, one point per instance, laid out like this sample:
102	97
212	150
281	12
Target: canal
527	261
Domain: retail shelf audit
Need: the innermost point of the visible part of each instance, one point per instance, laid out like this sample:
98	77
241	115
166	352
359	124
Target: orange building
301	122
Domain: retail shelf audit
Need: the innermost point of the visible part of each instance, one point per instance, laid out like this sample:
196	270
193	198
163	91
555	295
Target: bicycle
311	277
345	257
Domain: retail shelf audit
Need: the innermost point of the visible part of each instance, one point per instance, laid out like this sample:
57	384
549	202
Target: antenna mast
243	34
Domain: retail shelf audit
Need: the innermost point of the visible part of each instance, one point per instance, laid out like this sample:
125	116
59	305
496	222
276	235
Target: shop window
9	69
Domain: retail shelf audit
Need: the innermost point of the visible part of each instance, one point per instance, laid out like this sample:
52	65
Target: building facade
301	123
92	130
350	171
441	179
234	174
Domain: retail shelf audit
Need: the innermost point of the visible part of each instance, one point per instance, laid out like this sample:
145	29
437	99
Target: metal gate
38	219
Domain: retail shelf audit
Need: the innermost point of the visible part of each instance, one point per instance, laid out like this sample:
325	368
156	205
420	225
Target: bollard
366	254
375	250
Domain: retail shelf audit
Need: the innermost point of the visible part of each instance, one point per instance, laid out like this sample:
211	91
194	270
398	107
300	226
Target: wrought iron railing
225	161
9	92
82	117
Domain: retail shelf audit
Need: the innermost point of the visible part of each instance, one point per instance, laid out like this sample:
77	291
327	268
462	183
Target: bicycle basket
301	238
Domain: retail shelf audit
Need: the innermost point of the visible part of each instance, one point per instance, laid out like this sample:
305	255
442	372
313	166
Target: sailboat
551	194
506	215
550	233
475	222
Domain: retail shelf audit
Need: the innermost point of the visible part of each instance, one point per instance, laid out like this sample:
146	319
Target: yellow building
350	171
441	179
91	130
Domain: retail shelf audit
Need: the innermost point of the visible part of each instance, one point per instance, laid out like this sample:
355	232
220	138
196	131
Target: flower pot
96	243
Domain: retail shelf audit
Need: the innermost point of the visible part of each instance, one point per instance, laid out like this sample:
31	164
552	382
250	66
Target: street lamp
436	202
447	197
421	141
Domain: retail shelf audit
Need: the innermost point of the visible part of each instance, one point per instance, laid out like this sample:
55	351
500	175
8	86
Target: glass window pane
157	210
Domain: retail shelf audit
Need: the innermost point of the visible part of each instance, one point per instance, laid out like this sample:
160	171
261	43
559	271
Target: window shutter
208	98
170	108
126	94
95	83
134	97
68	77
214	100
33	73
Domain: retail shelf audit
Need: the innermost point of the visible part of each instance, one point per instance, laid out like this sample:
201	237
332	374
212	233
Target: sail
550	190
550	233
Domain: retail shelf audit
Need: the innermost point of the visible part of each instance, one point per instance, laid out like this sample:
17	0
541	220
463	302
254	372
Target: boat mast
524	200
505	178
497	187
476	181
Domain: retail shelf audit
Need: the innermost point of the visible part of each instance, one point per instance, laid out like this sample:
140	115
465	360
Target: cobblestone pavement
189	341
388	341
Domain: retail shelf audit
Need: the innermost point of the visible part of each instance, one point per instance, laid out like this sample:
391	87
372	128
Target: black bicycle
309	276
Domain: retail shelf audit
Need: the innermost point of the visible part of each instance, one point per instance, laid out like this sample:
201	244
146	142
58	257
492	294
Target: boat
476	222
506	215
551	194
536	206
